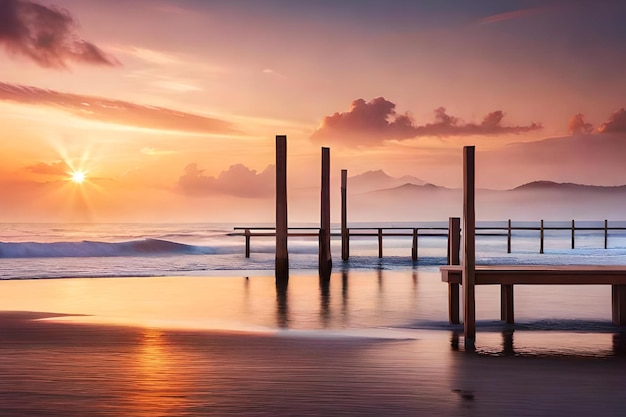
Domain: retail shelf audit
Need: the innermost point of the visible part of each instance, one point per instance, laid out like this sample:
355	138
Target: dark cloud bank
46	35
373	122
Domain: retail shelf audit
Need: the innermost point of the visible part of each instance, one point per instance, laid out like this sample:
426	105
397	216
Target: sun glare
77	177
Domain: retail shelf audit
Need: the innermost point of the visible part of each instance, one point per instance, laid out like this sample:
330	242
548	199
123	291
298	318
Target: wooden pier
468	274
417	233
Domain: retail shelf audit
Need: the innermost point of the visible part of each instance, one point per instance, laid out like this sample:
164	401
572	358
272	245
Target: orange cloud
615	124
373	122
115	111
577	125
46	35
238	181
54	168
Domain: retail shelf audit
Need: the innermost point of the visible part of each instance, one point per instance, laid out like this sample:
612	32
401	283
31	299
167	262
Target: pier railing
422	232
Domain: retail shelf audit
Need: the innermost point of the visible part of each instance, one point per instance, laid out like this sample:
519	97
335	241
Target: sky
170	108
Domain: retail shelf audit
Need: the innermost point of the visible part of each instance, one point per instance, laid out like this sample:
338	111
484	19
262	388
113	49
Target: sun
78	177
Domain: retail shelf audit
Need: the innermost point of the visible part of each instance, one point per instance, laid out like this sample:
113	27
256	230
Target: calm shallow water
370	343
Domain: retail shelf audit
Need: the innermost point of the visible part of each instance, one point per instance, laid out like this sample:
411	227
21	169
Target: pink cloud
238	180
46	35
514	15
577	125
374	122
115	111
615	124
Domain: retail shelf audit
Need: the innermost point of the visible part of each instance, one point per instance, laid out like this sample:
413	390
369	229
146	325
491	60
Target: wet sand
52	368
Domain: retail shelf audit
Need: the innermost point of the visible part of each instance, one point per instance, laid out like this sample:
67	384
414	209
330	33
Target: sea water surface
185	325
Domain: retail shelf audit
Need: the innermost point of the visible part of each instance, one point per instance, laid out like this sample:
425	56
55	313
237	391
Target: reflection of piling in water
282	310
508	349
325	259
282	259
344	296
325	302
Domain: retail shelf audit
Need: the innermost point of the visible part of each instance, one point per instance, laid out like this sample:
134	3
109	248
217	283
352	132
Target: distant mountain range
531	201
581	159
375	180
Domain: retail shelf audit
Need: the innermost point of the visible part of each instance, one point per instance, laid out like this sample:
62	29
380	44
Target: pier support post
345	233
507	313
380	243
414	245
454	241
606	234
508	238
454	248
247	235
618	294
282	257
469	246
325	260
541	237
573	233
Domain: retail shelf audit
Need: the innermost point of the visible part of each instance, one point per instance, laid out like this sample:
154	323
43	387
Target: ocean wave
143	247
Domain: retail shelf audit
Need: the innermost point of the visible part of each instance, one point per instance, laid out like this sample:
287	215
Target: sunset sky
171	107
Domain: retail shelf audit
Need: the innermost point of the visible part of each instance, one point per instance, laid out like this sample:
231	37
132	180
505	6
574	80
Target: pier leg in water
282	257
454	248
507	312
325	259
469	249
345	233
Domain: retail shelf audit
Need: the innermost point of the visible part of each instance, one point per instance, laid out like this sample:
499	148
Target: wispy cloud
116	111
238	180
376	121
46	35
515	14
57	168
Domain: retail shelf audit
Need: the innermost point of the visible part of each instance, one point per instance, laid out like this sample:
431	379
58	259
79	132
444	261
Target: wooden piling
247	235
541	237
345	233
414	245
573	233
469	246
325	260
282	257
454	240
618	294
454	247
606	233
508	238
506	303
380	243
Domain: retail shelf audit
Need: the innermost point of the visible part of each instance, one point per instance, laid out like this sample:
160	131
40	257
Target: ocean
174	320
30	251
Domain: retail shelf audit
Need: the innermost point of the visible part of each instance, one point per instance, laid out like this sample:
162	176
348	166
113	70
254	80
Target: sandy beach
322	353
69	369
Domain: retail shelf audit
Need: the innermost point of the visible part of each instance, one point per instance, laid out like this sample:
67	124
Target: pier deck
509	275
